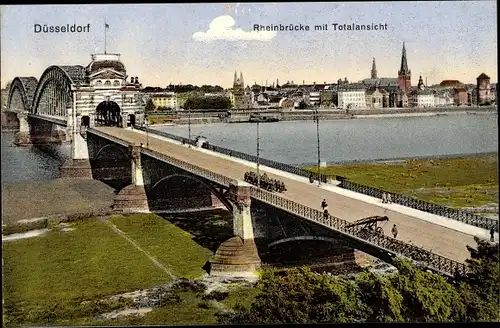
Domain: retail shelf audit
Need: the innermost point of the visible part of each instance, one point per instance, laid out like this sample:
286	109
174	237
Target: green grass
243	296
170	245
187	312
457	182
55	272
60	278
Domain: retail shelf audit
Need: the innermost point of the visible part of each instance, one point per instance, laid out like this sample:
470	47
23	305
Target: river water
295	142
30	163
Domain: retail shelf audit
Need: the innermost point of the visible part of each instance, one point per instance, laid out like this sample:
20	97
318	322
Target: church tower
374	70
404	74
238	83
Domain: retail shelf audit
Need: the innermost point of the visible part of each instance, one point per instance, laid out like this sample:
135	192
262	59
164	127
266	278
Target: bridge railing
451	213
422	205
168	135
191	168
247	157
424	257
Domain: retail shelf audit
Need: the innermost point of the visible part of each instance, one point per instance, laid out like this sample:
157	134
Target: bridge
150	161
66	100
95	108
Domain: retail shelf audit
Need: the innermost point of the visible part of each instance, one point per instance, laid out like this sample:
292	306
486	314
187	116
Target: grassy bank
456	182
60	278
47	278
170	245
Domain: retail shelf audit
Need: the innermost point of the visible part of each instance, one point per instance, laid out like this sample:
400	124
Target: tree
150	106
302	104
480	288
411	295
427	297
300	296
210	102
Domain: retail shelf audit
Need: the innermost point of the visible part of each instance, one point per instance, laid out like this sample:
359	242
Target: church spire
235	77
241	79
404	63
404	74
420	84
374	69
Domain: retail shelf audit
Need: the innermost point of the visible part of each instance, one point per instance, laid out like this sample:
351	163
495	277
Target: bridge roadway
436	238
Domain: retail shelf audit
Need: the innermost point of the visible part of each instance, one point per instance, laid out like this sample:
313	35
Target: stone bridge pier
34	131
238	256
23	137
133	198
78	166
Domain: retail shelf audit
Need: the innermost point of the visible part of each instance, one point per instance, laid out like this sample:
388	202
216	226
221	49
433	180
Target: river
295	141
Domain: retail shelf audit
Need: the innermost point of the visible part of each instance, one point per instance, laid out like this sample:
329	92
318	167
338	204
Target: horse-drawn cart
370	223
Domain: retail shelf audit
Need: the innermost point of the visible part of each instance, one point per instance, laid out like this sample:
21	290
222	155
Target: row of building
105	78
370	93
362	95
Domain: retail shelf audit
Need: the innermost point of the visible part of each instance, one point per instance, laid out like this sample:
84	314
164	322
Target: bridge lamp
147	133
189	126
316	114
258	157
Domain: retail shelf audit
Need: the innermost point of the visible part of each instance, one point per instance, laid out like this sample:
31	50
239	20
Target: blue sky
159	42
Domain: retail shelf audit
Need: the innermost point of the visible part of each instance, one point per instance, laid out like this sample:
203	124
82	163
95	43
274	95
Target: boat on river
254	118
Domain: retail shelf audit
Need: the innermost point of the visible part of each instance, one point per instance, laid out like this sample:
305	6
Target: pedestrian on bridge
384	198
394	231
324	204
325	211
389	199
492	235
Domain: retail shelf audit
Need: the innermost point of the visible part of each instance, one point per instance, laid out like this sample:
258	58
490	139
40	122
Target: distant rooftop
483	76
105	56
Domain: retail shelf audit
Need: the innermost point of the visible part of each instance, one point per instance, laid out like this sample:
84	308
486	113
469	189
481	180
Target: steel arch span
290	239
21	92
227	203
53	95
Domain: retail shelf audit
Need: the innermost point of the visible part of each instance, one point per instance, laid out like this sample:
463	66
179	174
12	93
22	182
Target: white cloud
221	28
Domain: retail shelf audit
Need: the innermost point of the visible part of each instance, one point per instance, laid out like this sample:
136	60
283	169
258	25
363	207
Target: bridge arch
290	239
108	113
111	145
53	95
21	92
228	204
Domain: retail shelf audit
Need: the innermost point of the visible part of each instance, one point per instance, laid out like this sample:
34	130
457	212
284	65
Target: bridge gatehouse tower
67	100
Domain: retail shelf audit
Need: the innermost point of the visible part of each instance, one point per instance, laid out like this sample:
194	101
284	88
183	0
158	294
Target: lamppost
189	127
258	157
147	132
315	109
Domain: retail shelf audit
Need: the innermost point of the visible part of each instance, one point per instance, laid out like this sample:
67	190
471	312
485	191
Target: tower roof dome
103	61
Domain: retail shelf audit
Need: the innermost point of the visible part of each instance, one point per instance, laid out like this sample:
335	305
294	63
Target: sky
205	43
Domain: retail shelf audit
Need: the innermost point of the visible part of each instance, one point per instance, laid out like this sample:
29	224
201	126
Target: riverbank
447	181
34	199
77	273
183	117
121	269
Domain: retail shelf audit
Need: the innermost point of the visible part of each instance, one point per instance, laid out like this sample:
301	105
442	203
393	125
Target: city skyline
205	43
